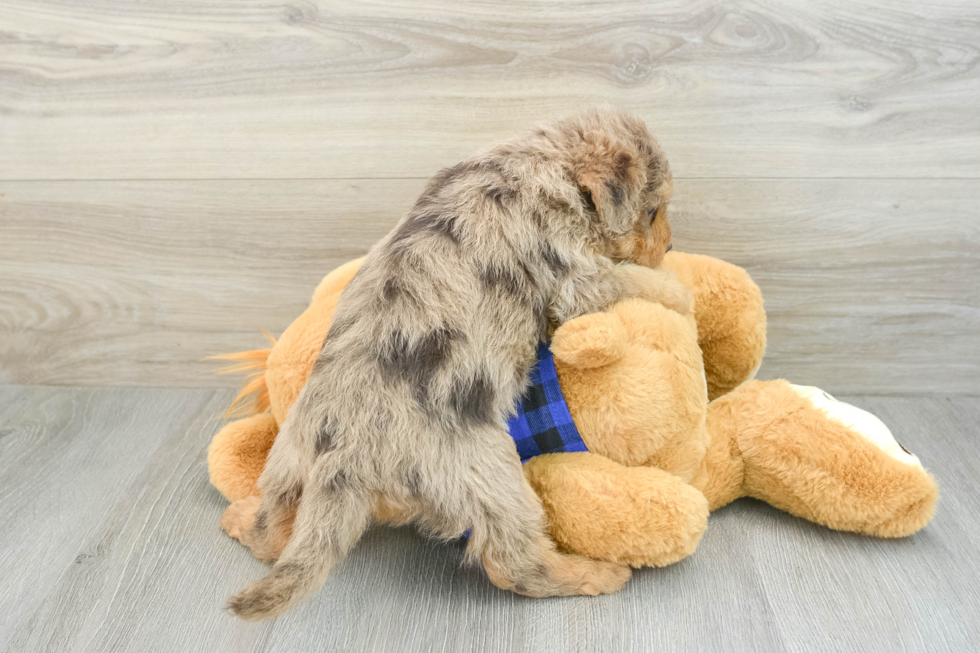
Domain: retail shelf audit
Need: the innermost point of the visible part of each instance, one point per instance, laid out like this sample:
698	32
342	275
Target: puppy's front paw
662	286
675	296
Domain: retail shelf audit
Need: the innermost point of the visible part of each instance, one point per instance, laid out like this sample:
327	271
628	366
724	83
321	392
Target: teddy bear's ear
610	184
590	341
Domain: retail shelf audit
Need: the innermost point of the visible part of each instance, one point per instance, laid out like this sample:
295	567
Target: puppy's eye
653	214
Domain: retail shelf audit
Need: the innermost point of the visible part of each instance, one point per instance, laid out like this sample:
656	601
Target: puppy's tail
330	519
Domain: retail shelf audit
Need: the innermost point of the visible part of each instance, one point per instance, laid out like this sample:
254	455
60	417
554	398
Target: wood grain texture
870	285
110	542
177	89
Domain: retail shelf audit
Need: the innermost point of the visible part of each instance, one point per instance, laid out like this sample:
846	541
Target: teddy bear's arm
730	315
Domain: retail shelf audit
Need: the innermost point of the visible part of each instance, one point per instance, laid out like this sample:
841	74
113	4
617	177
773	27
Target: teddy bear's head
633	378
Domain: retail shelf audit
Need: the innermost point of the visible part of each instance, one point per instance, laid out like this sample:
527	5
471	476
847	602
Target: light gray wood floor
110	542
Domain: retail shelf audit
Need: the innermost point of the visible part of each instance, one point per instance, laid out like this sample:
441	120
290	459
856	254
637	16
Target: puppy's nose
670	247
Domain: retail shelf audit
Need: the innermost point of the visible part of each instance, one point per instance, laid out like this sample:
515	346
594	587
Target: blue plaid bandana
542	423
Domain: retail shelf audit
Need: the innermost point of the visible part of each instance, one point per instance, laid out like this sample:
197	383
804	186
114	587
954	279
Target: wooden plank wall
176	175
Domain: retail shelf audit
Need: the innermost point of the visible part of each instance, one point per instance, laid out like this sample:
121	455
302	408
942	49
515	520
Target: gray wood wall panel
175	176
110	89
111	543
870	285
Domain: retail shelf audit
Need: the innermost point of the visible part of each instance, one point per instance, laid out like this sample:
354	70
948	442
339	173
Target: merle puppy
432	343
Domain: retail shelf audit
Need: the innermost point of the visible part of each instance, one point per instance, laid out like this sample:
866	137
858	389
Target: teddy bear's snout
670	246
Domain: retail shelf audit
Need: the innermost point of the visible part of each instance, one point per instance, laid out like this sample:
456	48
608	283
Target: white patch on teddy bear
860	421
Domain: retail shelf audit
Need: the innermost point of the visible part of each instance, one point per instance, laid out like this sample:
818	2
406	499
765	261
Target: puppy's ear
610	184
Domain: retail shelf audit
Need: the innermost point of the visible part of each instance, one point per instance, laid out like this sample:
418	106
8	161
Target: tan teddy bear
637	381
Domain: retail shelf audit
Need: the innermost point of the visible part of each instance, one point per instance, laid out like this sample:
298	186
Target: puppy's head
624	183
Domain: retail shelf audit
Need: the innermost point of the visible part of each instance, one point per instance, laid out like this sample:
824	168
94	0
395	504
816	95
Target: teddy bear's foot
919	490
830	462
906	520
597	508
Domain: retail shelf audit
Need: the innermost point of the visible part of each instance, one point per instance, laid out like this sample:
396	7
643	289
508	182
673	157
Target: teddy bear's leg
724	470
236	456
600	509
730	315
827	461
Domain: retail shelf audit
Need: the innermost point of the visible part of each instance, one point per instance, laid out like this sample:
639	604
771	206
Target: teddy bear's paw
675	532
639	516
239	517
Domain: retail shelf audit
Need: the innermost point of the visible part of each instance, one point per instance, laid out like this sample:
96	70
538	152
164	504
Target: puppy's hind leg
509	532
333	513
